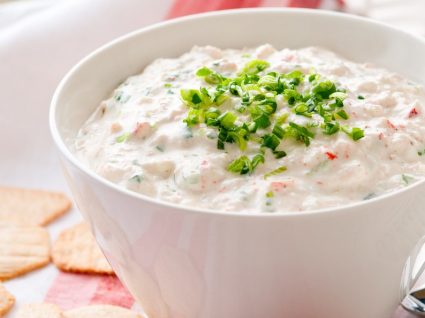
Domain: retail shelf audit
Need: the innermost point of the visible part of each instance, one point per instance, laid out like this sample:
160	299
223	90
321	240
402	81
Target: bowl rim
63	149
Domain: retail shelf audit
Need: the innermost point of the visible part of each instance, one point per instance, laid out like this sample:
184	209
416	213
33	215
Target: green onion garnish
241	165
252	123
275	172
270	194
255	66
355	133
123	138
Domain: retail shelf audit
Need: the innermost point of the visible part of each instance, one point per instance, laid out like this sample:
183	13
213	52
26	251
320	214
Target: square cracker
6	301
76	250
22	249
41	310
31	207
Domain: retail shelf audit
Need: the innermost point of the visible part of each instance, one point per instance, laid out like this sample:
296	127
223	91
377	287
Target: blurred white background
406	14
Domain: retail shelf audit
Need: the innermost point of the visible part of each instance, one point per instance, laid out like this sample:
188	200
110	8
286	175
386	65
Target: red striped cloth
185	7
74	290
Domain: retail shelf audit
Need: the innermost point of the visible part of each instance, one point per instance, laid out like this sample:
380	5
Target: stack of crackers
25	246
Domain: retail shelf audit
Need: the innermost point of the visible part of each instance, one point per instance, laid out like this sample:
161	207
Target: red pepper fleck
331	156
413	112
381	136
391	125
288	58
276	185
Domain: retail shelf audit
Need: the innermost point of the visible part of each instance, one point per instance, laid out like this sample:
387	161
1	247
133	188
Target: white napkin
37	47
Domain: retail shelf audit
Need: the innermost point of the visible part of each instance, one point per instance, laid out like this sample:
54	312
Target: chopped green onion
296	77
255	66
282	119
256	98
194	117
256	160
355	133
278	131
241	165
302	109
338	95
160	148
210	76
301	133
123	138
330	128
407	179
239	138
138	178
195	98
270	141
204	71
227	120
275	172
324	89
279	154
292	96
270	194
341	114
312	77
121	97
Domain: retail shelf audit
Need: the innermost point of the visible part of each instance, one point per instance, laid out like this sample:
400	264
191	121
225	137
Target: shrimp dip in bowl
251	163
259	130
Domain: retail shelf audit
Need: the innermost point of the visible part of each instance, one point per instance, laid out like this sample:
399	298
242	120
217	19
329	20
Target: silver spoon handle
413	300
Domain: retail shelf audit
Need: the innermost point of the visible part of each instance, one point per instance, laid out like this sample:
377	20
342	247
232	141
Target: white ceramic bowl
182	262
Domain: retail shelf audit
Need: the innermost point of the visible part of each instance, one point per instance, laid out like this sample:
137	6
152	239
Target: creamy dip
137	138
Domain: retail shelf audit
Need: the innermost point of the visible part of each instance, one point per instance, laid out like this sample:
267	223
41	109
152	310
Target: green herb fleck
370	196
330	128
123	138
242	165
355	133
210	76
300	133
275	172
121	97
255	66
137	178
407	179
324	89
